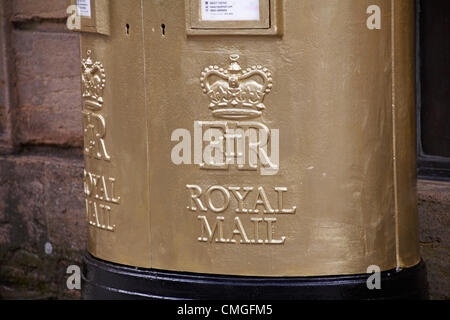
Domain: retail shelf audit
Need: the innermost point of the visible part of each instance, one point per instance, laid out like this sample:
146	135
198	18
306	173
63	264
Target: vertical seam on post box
147	131
394	140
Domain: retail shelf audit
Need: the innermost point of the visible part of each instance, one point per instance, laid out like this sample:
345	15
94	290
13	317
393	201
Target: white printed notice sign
230	10
84	8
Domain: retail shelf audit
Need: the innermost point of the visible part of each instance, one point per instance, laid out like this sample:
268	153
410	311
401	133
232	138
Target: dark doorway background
433	95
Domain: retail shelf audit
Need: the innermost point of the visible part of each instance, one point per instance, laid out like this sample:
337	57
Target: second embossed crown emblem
236	93
93	80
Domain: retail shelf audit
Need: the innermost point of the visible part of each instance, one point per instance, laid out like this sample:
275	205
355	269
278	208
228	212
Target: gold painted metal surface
405	133
341	96
115	131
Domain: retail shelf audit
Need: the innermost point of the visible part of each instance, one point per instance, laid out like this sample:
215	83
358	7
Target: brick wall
41	196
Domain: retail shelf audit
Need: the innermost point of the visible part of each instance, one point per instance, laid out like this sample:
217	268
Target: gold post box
262	146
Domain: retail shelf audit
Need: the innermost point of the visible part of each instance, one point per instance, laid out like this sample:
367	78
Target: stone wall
41	196
434	221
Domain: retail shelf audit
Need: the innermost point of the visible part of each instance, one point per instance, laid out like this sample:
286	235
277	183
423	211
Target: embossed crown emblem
236	93
93	81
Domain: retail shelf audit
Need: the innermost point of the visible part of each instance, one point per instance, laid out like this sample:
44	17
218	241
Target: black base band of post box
105	280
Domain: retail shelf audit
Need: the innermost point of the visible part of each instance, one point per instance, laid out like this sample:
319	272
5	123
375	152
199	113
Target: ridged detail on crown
236	93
